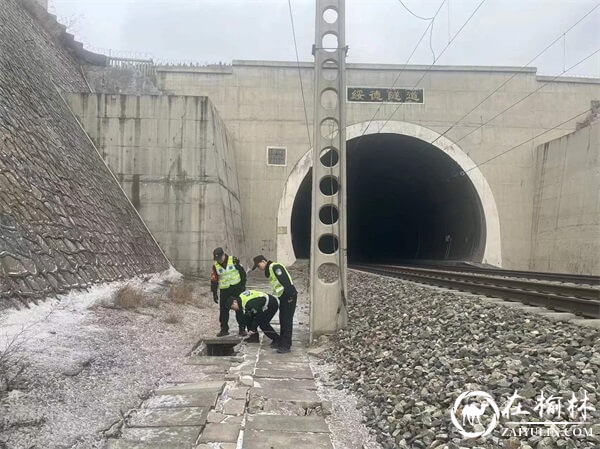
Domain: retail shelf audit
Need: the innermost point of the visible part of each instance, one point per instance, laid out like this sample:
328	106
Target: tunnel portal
406	201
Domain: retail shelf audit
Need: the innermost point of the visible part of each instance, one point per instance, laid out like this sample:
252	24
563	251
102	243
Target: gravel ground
85	364
391	378
410	351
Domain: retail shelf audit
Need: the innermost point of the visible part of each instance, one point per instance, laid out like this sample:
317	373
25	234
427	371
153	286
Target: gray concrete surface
280	407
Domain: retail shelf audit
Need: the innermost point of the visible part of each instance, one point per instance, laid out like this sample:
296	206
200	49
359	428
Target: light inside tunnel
406	201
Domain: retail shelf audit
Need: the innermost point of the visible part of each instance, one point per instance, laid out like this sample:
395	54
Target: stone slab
274	357
283	364
287	395
177	436
202	399
124	444
256	439
224	433
172	417
234	406
212	386
274	407
287	423
302	373
215	417
221	446
238	393
213	360
293	384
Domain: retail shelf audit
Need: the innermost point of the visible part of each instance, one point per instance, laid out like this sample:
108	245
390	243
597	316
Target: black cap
217	253
257	260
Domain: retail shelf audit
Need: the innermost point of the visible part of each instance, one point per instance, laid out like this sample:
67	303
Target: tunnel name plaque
384	95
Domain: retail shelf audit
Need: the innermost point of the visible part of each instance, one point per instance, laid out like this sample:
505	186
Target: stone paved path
255	399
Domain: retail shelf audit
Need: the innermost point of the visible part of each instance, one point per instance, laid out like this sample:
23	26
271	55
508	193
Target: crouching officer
229	277
258	309
284	289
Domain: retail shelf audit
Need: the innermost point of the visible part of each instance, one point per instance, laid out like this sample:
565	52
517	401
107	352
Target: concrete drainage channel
215	347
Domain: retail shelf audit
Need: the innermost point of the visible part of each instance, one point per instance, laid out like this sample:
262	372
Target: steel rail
586	307
542	275
560	289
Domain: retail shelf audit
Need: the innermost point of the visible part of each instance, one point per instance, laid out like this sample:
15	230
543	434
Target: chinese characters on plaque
384	95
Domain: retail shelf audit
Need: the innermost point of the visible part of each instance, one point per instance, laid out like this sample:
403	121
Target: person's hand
251	332
215	298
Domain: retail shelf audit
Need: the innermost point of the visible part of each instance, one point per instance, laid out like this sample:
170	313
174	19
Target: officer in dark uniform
284	289
258	309
229	277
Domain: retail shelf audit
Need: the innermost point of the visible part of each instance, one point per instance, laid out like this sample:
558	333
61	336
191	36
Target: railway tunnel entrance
407	200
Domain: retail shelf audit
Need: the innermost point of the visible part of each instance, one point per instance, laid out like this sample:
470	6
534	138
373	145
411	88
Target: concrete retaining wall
262	104
566	210
175	160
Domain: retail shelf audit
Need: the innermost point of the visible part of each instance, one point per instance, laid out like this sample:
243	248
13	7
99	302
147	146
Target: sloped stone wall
64	221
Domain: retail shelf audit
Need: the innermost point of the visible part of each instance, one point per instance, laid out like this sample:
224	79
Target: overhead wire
546	83
417	16
401	70
524	142
300	74
505	82
440	55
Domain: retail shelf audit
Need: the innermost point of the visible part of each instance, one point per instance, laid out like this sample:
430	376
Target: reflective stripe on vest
275	284
247	295
229	275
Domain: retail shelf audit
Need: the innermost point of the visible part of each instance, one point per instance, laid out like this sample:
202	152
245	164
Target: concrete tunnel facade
407	199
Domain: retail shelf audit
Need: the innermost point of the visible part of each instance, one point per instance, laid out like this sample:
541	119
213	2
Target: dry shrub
128	297
172	319
182	293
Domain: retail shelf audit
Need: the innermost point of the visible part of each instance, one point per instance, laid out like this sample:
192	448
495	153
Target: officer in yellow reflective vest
258	309
284	289
229	277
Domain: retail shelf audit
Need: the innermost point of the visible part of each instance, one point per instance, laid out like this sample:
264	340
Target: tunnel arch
490	251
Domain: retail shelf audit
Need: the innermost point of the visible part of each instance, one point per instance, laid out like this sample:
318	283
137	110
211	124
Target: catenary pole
328	253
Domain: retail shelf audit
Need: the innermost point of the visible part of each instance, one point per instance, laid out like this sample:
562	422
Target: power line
402	70
520	70
300	75
417	16
445	48
522	99
526	141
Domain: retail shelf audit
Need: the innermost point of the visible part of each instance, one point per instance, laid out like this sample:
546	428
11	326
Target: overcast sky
501	33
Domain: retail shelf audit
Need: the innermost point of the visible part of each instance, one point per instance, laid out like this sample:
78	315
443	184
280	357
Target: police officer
229	277
258	309
284	289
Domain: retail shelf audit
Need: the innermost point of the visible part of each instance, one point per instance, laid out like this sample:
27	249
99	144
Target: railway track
566	293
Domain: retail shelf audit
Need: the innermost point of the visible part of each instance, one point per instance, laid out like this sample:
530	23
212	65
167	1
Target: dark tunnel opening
406	201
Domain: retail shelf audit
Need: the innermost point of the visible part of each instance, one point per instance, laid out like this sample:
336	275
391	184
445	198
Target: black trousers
264	318
234	290
286	320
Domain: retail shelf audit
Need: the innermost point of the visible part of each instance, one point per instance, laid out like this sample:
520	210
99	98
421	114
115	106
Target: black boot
222	333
